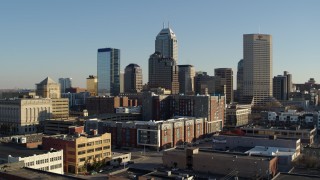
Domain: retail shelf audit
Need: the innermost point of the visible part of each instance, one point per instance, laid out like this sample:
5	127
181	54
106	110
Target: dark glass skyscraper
133	78
108	71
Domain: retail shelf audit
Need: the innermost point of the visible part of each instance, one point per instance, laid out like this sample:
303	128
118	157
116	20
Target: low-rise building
306	135
51	161
56	126
80	149
237	115
154	134
232	164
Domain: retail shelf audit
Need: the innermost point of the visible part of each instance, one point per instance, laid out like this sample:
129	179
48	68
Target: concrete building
80	149
159	107
237	115
77	101
133	79
125	158
282	86
205	84
48	88
92	85
226	75
51	161
65	83
306	135
229	164
18	171
60	108
17	94
239	80
186	79
225	142
121	82
163	72
56	126
23	116
104	105
257	67
166	43
108	69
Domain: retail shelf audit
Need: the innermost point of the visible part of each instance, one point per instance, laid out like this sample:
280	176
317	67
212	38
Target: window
98	156
81	152
90	143
106	141
90	150
98	142
106	147
82	159
81	145
98	149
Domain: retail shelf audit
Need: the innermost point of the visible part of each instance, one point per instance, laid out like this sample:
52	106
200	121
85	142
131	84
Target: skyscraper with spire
166	43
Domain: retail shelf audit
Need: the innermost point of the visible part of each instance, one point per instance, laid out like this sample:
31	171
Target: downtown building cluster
178	107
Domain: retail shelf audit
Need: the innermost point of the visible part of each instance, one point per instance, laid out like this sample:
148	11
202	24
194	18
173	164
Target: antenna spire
162	25
168	24
259	29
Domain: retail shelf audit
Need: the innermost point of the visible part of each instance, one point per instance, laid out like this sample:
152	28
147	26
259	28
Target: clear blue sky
60	38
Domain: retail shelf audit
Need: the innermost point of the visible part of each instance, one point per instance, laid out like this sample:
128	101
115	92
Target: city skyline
40	41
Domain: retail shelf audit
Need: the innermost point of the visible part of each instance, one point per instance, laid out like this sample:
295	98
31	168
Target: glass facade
108	71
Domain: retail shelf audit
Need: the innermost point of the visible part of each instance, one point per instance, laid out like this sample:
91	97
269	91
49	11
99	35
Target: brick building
80	149
104	105
153	134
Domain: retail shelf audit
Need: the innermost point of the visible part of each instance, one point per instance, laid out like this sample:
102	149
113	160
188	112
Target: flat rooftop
289	176
18	171
17	151
225	154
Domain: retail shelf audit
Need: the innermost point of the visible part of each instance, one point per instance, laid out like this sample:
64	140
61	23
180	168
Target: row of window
94	143
55	166
55	158
93	150
97	156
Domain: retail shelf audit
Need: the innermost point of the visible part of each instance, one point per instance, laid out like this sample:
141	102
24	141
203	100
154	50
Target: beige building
80	150
48	88
60	108
237	115
92	83
257	72
23	116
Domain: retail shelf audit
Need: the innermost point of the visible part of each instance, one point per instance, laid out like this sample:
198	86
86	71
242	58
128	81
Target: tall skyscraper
166	43
186	79
226	75
289	81
163	72
282	86
239	80
65	83
257	69
92	83
108	69
133	78
280	91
